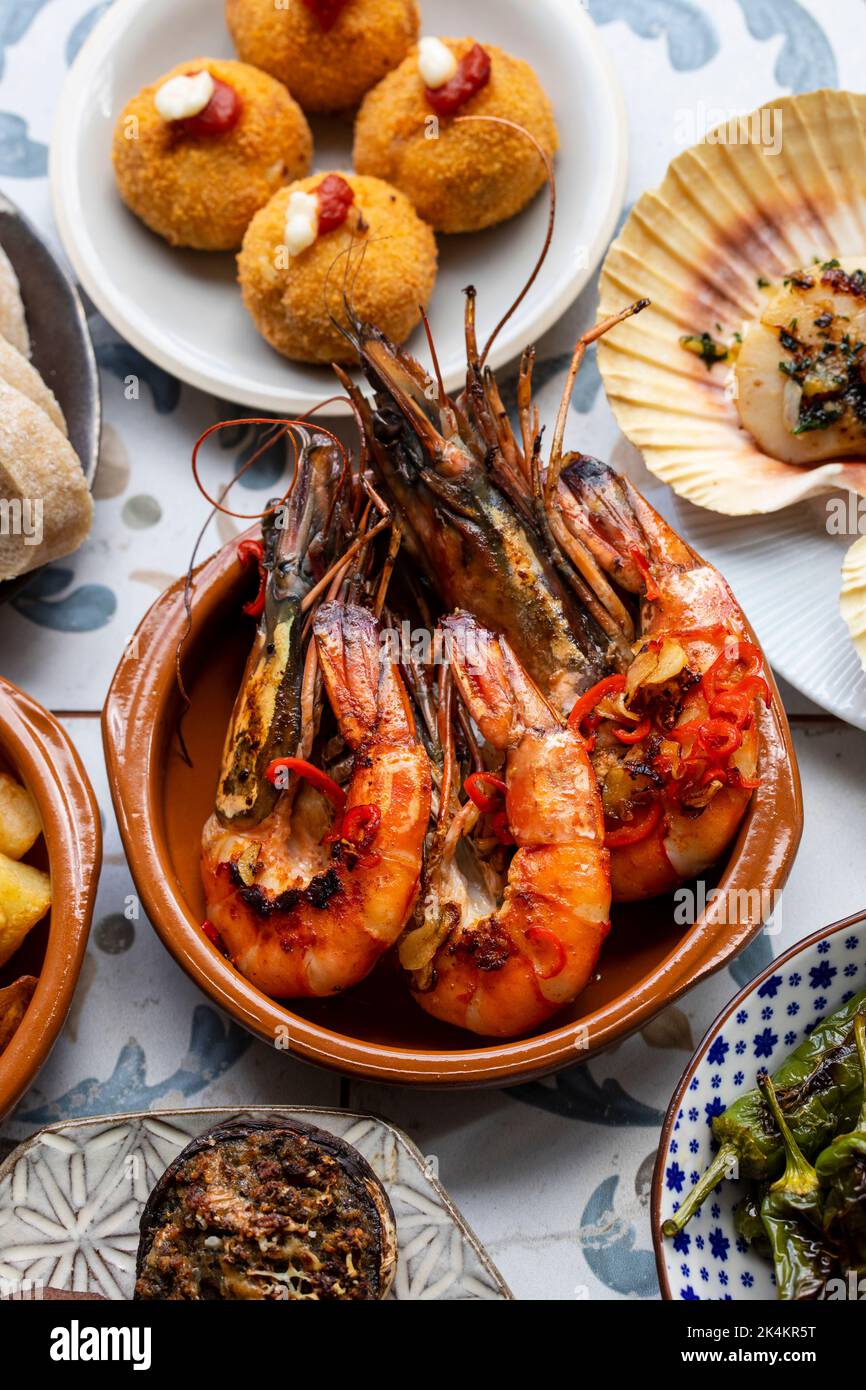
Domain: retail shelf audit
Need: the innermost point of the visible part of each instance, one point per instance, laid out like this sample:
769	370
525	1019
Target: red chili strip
356	832
611	685
734	707
633	832
314	775
651	588
248	551
545	937
221	114
720	737
335	197
473	73
720	676
474	789
681	733
635	735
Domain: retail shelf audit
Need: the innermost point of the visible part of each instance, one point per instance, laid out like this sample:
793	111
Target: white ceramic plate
71	1199
786	572
182	309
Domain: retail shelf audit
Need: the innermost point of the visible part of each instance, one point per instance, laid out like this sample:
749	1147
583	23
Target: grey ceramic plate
62	350
72	1196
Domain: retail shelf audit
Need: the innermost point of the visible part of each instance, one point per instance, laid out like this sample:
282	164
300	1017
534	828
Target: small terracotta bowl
36	750
377	1030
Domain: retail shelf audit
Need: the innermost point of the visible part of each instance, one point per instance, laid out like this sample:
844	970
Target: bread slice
13	321
39	473
16	371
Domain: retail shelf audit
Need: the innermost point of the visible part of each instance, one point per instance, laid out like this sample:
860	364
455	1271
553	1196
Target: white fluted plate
71	1199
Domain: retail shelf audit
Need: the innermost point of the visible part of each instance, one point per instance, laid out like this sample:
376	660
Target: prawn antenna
551	221
590	336
443	398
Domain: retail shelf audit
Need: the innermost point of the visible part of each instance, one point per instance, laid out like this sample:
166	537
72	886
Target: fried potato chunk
20	826
25	897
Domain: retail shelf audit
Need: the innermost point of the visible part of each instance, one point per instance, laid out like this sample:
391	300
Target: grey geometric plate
72	1196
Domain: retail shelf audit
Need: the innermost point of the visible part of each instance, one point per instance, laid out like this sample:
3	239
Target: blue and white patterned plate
756	1032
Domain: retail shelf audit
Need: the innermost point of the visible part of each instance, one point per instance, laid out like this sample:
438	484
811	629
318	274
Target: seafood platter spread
414	770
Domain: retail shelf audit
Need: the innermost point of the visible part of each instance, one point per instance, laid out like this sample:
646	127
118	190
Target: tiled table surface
554	1179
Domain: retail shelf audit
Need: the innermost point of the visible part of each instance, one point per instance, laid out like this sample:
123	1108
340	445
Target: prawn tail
362	681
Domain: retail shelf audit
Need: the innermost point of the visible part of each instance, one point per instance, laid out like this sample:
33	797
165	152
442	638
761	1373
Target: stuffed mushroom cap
202	190
383	258
267	1210
460	177
327	67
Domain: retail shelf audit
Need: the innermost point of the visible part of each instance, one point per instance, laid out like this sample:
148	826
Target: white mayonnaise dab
182	97
437	63
302	222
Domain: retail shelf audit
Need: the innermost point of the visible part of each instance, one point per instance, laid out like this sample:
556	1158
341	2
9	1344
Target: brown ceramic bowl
376	1030
36	750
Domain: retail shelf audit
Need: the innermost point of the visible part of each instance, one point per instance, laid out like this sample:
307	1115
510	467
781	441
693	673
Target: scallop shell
729	213
853	600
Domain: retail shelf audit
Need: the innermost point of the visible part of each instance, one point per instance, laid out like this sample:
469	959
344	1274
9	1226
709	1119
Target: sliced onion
655	667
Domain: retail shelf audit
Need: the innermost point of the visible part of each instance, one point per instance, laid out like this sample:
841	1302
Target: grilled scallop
738	385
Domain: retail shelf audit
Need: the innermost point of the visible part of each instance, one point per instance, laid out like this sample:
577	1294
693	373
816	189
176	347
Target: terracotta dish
36	750
377	1030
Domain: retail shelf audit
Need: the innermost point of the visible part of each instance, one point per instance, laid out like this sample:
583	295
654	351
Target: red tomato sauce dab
473	73
221	114
335	199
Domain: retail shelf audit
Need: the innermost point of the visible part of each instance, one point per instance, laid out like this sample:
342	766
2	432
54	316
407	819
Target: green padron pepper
842	1168
749	1224
793	1217
819	1087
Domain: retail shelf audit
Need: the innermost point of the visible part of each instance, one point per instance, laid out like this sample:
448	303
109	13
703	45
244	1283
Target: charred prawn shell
267	721
267	1210
439	467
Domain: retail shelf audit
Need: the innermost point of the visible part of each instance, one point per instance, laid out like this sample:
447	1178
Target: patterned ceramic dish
62	350
71	1199
756	1032
376	1029
35	748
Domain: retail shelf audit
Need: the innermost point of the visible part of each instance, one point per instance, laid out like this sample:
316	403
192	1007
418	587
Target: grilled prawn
499	951
308	881
675	738
676	682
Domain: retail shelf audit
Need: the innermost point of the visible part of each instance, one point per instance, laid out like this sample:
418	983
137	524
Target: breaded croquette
328	54
202	189
382	256
461	178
